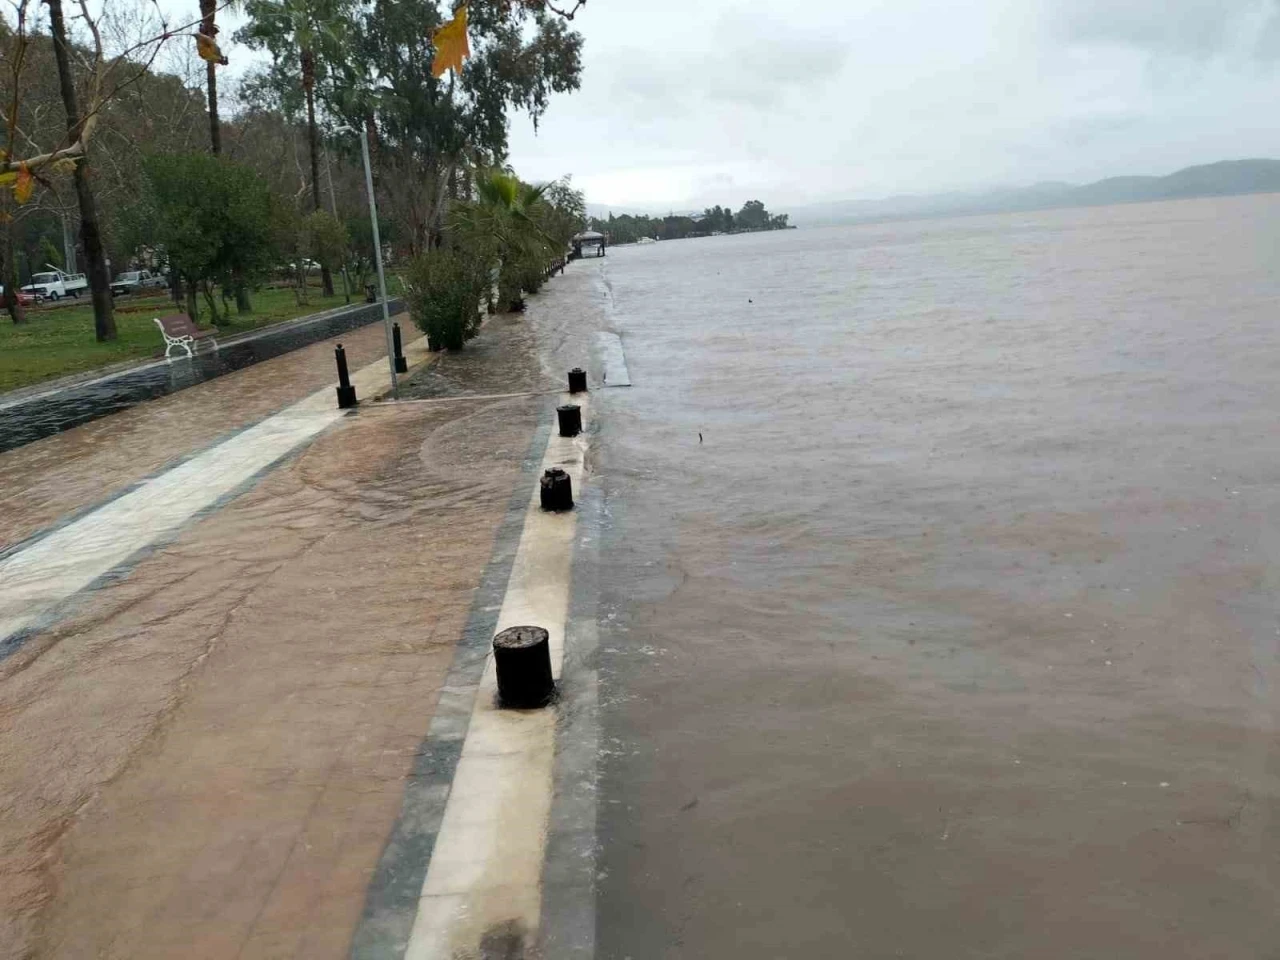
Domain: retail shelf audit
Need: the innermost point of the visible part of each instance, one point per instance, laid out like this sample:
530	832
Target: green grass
58	340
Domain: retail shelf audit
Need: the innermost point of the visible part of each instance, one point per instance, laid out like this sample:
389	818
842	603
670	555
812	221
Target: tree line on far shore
753	217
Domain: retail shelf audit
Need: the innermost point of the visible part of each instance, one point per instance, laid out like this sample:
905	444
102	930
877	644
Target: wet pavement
205	754
34	414
49	480
206	760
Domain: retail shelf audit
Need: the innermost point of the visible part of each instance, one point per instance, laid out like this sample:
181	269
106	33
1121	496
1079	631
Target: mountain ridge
1223	178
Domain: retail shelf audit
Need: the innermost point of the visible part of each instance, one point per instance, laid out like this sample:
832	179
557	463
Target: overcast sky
686	103
690	102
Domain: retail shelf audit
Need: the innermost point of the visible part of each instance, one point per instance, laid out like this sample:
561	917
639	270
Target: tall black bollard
402	365
556	491
346	392
577	380
522	658
570	419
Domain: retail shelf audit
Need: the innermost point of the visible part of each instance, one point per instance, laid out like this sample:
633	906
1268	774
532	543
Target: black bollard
557	490
570	419
346	392
577	380
522	658
402	365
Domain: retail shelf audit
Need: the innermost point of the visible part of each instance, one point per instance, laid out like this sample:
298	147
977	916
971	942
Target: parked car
136	281
55	285
25	299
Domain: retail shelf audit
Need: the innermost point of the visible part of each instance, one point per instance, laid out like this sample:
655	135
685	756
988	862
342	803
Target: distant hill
1227	178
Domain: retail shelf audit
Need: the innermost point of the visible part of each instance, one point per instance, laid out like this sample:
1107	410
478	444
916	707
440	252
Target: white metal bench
178	331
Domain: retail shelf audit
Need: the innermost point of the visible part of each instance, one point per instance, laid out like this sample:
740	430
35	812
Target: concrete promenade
228	618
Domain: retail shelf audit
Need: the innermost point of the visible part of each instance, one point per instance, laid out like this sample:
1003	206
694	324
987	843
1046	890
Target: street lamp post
377	253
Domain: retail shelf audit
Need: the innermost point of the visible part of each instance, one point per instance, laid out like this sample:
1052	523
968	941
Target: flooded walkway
46	481
204	753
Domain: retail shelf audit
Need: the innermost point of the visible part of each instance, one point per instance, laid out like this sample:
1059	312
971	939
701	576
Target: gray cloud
1194	28
753	59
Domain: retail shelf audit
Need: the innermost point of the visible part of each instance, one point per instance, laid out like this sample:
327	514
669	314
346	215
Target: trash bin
370	293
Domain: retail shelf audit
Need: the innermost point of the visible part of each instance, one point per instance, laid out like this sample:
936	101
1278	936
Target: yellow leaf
9	176
63	165
451	44
207	47
25	186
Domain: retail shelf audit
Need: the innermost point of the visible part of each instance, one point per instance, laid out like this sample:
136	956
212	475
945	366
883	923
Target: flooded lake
940	577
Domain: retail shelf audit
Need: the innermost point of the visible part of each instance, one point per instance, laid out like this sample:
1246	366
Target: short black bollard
346	392
522	657
570	419
402	365
577	380
557	490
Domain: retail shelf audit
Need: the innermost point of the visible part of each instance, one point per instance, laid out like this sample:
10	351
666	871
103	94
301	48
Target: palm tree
209	27
311	31
502	228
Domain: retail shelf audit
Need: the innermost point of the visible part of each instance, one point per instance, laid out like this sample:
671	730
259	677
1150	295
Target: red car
24	299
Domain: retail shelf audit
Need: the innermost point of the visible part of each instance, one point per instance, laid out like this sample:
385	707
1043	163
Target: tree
88	81
752	216
564	212
213	218
502	228
430	135
305	40
328	239
104	322
213	59
444	291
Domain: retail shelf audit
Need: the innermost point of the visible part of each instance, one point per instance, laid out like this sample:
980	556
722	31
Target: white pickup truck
55	285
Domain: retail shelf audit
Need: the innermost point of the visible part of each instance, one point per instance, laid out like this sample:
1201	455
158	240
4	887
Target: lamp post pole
377	252
377	255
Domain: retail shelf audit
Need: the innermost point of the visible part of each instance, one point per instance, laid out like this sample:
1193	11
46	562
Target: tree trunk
215	130
193	303
16	313
207	289
241	288
104	321
313	139
208	11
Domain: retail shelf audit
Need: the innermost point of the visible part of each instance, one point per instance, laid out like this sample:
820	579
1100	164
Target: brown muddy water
956	633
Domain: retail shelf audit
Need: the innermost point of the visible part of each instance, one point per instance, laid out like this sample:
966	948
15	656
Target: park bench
178	331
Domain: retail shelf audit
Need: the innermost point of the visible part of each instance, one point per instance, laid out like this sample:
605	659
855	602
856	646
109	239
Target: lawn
58	340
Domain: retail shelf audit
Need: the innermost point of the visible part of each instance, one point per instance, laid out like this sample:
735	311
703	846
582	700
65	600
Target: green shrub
444	289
